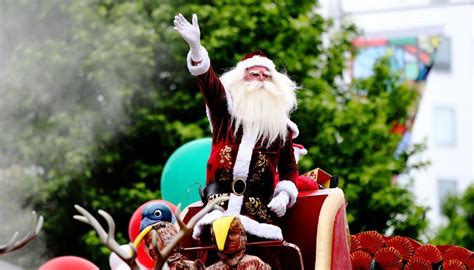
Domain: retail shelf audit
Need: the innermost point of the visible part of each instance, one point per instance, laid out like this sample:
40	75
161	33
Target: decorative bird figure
156	212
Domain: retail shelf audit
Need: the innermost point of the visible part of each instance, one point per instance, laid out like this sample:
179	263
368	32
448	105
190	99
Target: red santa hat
256	58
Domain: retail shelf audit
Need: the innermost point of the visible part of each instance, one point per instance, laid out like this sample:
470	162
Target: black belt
239	187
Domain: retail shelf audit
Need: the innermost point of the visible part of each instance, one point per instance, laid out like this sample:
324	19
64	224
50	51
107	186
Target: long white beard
262	107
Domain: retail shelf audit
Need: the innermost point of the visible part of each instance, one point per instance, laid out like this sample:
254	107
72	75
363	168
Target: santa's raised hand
190	33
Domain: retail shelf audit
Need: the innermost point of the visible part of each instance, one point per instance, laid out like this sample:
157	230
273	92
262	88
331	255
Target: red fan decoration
418	263
355	243
403	245
371	241
453	265
388	258
360	260
457	253
429	252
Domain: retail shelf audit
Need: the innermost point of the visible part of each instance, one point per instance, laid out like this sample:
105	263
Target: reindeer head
108	238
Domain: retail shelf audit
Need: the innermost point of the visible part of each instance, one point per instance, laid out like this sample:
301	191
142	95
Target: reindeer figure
15	244
108	238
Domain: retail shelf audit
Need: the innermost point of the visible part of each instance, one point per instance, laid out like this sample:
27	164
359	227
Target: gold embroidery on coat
256	208
255	178
259	168
225	155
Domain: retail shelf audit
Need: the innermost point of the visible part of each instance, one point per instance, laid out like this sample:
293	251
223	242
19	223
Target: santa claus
248	108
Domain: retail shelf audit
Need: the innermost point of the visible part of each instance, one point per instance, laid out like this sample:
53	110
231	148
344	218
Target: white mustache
262	85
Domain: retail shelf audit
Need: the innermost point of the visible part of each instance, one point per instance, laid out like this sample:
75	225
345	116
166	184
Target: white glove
279	203
190	33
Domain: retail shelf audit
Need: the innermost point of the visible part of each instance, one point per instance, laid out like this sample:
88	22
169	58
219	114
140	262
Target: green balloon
185	172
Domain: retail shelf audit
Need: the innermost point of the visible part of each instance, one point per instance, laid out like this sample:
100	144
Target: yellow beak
140	237
221	229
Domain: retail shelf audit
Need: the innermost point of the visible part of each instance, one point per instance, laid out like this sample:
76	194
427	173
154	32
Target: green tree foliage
460	213
352	138
108	98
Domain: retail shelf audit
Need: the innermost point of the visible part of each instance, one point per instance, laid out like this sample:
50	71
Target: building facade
444	118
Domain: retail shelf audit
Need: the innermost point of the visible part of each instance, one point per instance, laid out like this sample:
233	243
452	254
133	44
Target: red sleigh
315	231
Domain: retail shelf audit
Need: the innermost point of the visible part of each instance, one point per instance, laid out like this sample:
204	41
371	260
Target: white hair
260	106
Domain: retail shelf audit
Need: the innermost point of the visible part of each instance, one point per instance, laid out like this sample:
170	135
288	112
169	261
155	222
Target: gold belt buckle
238	186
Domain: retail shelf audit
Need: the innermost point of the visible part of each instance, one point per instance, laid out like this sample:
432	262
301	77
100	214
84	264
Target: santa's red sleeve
210	86
288	171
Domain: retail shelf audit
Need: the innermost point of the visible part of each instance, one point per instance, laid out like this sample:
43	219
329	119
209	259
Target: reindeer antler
107	238
13	244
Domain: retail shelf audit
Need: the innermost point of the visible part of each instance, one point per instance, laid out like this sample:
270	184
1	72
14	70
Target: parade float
315	230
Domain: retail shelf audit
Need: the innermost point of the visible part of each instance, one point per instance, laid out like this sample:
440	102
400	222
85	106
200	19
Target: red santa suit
240	165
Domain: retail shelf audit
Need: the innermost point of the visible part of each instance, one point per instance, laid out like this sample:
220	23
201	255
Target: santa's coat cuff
202	67
290	188
263	230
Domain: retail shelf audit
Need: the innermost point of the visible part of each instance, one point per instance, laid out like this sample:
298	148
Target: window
444	126
446	187
442	59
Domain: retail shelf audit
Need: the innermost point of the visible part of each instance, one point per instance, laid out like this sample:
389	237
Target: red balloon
134	231
68	262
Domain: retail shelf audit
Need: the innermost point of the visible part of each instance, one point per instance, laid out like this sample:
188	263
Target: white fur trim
293	128
257	60
299	152
206	220
290	188
235	204
202	67
263	230
208	114
244	155
241	169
